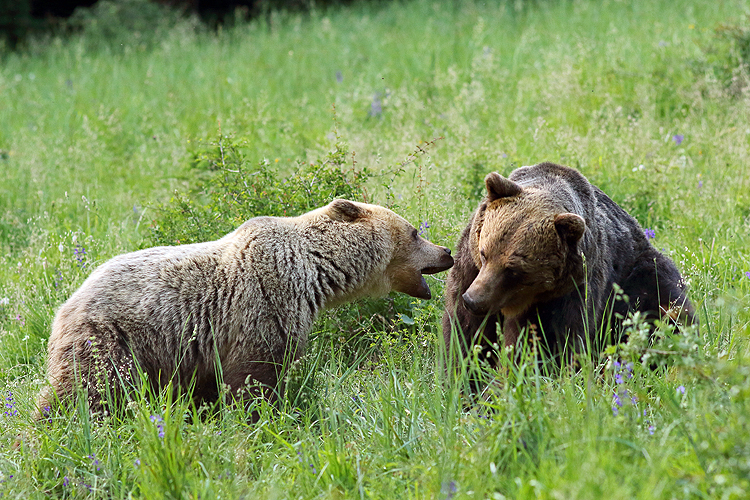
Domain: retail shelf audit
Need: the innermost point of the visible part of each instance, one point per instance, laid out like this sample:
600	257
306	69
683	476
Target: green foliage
726	55
231	191
646	98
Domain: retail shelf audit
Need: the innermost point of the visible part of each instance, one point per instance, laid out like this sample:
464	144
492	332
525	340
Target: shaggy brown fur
246	301
544	250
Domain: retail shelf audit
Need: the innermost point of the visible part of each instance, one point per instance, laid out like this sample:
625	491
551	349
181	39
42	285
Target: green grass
95	138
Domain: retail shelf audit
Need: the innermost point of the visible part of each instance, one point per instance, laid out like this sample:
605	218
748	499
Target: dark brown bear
543	251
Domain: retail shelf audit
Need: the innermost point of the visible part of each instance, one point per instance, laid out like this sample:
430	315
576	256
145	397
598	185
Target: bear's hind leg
99	365
657	288
256	380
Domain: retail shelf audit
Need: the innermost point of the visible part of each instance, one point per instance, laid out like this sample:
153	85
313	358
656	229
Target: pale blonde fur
246	301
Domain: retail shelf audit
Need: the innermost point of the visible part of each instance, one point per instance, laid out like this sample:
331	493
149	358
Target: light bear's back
246	301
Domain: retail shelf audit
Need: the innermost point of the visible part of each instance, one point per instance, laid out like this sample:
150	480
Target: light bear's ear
570	227
500	187
344	211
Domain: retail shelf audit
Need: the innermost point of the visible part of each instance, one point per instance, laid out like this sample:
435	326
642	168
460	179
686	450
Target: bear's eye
482	256
513	273
414	233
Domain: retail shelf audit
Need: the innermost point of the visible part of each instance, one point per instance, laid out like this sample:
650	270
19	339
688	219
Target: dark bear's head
525	246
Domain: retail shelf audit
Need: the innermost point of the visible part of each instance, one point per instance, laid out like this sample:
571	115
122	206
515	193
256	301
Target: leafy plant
232	190
726	55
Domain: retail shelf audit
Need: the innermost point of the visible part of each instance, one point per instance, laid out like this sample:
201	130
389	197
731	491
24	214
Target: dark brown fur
520	264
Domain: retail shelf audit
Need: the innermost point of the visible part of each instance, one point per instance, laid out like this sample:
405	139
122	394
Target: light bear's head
392	249
524	244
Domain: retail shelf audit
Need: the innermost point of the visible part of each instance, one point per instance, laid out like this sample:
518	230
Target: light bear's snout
443	262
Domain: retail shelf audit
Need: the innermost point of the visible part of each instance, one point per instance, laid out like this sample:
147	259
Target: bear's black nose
470	303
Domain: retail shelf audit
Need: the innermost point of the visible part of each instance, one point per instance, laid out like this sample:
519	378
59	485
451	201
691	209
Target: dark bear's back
612	250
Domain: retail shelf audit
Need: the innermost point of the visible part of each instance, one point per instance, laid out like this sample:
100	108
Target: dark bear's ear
344	211
570	227
500	187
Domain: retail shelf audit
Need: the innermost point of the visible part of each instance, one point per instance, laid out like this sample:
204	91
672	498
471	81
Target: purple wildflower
79	252
376	107
10	406
137	462
678	138
300	457
20	319
66	481
95	462
649	233
681	389
159	422
620	370
448	489
616	400
747	274
58	279
700	184
651	429
423	230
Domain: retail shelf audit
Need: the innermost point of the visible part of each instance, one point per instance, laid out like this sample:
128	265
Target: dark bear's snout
472	305
478	303
497	289
475	297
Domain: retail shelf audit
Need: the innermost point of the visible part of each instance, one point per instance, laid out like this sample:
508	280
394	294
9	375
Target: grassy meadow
111	141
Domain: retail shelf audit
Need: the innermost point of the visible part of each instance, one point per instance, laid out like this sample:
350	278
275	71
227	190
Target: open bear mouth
435	269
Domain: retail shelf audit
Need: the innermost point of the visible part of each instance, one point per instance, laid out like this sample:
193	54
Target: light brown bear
246	302
543	251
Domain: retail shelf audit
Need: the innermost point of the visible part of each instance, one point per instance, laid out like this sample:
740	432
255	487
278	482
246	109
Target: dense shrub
726	55
230	189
